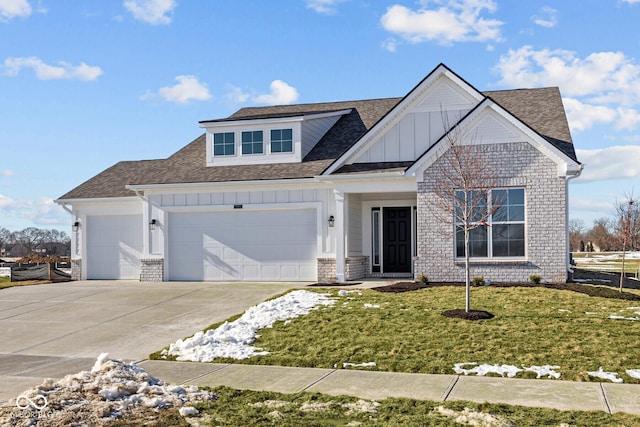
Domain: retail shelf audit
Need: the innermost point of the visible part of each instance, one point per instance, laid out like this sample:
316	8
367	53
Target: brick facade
152	270
516	165
76	269
356	267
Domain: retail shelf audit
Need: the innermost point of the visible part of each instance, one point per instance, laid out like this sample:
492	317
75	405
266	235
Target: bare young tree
626	216
576	234
464	196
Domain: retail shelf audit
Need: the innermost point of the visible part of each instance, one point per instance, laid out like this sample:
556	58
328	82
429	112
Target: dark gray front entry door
396	242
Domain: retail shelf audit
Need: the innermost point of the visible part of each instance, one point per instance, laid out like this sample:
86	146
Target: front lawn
5	282
405	332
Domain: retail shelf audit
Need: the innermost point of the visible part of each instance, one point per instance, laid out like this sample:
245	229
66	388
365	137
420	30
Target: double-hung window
252	142
223	144
281	140
499	235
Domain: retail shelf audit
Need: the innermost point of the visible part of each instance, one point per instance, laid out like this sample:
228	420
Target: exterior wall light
76	226
332	221
152	225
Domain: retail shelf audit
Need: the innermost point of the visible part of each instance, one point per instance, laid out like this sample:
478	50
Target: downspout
569	266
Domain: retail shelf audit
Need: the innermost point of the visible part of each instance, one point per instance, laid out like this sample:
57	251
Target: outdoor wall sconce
332	221
152	225
76	226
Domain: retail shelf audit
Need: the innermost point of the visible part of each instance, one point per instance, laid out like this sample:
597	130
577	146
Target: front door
396	242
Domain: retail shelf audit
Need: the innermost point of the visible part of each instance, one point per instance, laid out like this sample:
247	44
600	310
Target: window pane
276	134
287	134
477	242
516	213
247	136
218	138
257	148
287	146
501	214
508	240
218	150
516	196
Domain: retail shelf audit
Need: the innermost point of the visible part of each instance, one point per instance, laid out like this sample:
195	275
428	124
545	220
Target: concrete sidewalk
562	395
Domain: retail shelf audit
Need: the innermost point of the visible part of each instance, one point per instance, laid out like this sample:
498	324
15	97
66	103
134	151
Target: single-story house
335	191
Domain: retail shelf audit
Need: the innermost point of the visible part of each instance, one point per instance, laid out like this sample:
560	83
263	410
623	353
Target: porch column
340	230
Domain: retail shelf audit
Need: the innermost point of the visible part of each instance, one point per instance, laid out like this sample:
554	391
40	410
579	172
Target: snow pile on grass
111	390
611	376
634	373
359	365
508	370
616	317
234	339
470	417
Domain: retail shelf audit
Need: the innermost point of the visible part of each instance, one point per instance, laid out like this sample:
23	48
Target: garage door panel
249	245
114	246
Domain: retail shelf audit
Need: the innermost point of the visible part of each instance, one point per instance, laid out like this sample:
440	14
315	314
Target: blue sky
87	83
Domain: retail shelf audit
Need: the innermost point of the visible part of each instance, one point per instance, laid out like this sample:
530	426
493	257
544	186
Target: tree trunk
467	279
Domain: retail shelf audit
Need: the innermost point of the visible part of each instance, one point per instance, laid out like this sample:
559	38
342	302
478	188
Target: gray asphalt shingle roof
541	109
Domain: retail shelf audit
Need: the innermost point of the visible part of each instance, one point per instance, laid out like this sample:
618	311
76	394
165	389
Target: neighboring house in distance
334	191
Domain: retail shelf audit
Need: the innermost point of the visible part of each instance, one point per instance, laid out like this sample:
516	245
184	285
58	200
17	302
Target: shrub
535	278
423	279
478	280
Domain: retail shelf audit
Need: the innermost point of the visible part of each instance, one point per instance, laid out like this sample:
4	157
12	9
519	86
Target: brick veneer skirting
356	267
76	269
152	270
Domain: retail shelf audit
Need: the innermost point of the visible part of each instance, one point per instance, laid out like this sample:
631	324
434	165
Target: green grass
532	326
5	282
259	408
606	261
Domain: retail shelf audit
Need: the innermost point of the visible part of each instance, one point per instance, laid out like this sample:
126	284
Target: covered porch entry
379	236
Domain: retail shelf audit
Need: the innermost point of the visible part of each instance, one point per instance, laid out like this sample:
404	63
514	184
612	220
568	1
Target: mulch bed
606	285
459	313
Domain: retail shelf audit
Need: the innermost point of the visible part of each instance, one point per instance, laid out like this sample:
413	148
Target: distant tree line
619	232
34	240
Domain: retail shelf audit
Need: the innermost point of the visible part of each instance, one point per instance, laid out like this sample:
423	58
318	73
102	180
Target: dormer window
223	144
281	140
252	142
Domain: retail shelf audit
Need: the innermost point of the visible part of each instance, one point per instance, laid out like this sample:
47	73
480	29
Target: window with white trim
252	142
282	140
502	234
224	144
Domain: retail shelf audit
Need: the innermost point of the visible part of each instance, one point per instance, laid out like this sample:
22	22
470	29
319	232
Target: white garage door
114	246
243	245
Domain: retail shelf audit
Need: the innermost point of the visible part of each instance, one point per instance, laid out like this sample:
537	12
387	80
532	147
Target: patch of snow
111	390
358	365
361	406
367	305
623	318
544	371
564	310
590	312
470	417
611	376
234	339
634	373
482	370
188	411
344	293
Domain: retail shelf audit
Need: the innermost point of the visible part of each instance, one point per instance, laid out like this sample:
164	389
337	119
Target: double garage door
270	245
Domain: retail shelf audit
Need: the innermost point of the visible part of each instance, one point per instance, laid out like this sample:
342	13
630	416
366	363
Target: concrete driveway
57	329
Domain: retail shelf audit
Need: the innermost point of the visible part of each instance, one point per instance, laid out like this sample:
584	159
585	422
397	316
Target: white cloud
390	44
453	21
236	95
583	116
631	1
281	93
325	7
154	12
7	172
600	73
603	87
617	162
10	9
40	211
547	18
187	89
62	70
